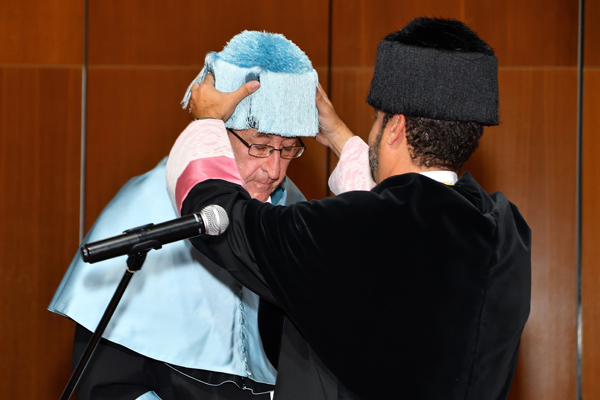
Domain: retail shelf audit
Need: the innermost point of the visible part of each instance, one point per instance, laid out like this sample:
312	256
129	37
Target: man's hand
333	132
208	102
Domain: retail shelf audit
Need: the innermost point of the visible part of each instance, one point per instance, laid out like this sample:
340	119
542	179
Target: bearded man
418	288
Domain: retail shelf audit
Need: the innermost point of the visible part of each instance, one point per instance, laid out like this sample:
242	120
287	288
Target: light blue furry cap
285	102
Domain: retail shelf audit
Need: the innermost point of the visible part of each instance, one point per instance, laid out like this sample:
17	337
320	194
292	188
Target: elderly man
186	329
418	288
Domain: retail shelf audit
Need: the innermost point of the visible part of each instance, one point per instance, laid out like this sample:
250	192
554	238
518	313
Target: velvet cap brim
285	103
433	83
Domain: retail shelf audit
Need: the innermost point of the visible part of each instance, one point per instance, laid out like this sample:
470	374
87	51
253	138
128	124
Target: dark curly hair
440	144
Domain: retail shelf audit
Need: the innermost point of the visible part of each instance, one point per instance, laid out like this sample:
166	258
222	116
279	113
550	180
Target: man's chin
262	197
261	194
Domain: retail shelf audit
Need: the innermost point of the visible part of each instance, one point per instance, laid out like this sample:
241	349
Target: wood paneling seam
578	211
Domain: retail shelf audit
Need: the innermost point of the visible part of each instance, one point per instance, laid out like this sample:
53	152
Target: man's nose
272	165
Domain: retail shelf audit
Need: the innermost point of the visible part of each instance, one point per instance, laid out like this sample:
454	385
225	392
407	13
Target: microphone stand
135	260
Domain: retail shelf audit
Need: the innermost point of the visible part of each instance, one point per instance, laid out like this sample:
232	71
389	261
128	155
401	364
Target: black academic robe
416	289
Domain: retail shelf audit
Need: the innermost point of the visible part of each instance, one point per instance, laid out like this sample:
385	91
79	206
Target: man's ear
397	130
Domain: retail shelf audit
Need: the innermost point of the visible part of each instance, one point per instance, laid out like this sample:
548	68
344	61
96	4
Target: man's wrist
339	140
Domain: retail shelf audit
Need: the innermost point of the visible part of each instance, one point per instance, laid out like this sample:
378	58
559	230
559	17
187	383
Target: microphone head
215	219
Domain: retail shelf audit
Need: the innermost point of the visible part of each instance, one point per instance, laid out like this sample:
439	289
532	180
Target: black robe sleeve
392	288
231	249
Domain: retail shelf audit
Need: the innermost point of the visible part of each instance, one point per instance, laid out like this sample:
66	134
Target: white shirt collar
447	177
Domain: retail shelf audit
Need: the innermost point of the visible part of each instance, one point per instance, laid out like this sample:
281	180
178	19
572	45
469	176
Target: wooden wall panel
181	32
45	32
591	236
134	117
536	32
591	35
530	157
351	86
39	210
590	229
359	25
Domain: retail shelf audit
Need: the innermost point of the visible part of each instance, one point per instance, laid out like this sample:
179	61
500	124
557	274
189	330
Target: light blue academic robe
174	309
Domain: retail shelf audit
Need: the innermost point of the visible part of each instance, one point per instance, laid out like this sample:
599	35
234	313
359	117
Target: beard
374	154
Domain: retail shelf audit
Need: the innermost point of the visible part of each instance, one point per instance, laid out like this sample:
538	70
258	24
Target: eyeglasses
265	150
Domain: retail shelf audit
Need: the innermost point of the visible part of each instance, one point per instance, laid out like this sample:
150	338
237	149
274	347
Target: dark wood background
142	54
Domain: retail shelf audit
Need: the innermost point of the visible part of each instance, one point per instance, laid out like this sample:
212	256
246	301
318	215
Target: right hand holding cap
208	102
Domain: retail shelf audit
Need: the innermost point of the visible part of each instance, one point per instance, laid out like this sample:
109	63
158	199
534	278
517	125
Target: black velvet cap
444	82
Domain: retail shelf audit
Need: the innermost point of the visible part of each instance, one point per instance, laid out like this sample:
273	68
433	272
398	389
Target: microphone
211	220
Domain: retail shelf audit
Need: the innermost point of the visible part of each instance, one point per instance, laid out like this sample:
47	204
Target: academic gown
176	315
416	289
